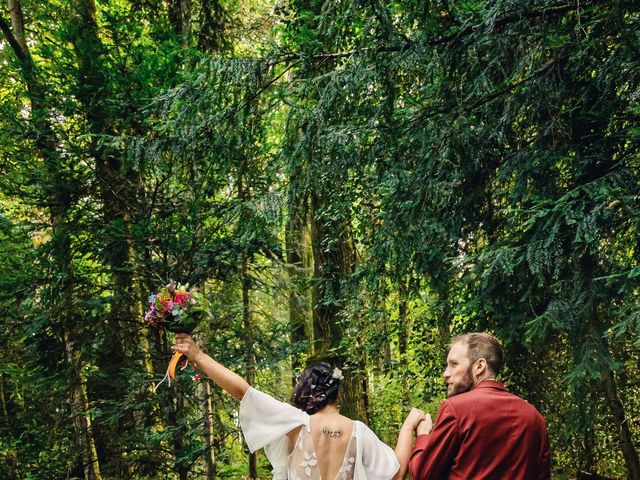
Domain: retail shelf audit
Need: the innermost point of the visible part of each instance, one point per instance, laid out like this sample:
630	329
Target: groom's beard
464	385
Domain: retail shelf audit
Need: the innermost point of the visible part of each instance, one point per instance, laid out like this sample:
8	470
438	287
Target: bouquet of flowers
176	309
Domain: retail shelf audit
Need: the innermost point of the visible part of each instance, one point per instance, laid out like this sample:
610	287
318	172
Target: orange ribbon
174	363
171	371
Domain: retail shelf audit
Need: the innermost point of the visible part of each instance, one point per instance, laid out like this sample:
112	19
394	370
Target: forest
354	181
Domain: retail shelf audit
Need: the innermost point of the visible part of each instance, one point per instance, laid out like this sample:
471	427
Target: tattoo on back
328	433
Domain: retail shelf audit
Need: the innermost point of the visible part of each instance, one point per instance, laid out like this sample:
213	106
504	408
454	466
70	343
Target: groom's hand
425	426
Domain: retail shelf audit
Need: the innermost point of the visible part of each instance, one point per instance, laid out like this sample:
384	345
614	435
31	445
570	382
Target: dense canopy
351	181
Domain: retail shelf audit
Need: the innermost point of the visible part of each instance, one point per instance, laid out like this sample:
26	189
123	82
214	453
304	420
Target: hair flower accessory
337	374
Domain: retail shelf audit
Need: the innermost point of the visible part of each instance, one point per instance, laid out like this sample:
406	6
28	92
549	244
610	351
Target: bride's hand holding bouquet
188	347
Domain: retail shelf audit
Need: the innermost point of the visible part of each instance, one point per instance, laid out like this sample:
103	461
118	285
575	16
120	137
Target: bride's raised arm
221	375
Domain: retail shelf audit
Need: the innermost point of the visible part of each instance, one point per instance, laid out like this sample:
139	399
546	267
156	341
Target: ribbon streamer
171	370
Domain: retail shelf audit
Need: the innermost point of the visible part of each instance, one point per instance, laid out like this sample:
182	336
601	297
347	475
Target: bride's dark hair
315	388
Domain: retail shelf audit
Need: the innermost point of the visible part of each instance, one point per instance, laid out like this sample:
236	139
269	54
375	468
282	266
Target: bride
308	439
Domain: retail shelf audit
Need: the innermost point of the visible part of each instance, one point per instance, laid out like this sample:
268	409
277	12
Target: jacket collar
488	383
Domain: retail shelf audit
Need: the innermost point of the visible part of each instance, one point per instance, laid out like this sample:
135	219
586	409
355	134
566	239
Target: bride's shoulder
347	419
363	431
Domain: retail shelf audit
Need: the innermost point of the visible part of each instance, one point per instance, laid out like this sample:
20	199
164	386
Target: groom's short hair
483	345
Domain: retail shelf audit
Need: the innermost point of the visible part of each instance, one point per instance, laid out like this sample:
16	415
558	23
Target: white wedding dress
266	421
303	464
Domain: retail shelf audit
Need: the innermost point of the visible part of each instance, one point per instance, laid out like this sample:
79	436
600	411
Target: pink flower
180	298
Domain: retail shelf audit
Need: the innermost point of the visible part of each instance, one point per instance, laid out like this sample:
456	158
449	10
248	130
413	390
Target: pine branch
557	9
512	86
481	101
552	10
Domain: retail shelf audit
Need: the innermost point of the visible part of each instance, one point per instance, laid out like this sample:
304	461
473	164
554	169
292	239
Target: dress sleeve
433	454
278	454
265	420
378	459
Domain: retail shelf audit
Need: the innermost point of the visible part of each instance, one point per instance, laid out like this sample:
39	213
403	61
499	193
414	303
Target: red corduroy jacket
484	434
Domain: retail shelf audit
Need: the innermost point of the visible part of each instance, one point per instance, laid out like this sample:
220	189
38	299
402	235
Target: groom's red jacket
484	434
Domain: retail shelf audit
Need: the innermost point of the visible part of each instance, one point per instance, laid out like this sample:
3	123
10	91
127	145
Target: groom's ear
480	367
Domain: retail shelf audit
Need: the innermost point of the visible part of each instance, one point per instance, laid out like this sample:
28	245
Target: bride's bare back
326	449
331	433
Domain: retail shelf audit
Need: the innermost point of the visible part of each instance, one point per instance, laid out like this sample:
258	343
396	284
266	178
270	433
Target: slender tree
59	202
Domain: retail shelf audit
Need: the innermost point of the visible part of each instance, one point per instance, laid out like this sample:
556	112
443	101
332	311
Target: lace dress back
303	464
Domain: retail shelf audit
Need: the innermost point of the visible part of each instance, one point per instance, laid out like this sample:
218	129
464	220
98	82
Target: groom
482	431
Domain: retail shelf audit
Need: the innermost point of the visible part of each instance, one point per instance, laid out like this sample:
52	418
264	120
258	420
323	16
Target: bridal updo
316	387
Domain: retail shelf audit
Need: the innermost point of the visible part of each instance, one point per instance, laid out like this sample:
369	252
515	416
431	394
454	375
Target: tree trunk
441	286
626	438
69	321
79	407
249	345
145	348
116	192
243	195
3	399
204	392
180	18
298	262
403	336
203	389
334	258
115	188
175	419
595	329
59	202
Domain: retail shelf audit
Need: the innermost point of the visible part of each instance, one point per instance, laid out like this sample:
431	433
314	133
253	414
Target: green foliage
450	166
